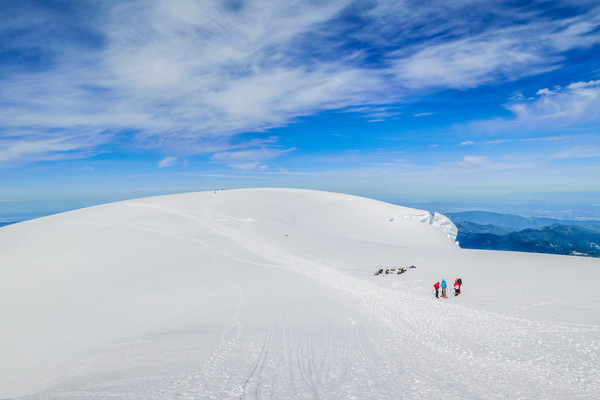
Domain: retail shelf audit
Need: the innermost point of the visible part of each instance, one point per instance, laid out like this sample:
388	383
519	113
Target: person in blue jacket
444	288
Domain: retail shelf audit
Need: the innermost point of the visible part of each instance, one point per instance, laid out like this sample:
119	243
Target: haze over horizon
102	101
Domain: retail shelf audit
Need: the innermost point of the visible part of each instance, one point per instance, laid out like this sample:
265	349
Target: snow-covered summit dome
270	293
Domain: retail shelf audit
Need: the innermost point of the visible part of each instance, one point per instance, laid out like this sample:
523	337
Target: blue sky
103	100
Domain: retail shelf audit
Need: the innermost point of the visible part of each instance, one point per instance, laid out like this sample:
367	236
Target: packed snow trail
270	294
515	347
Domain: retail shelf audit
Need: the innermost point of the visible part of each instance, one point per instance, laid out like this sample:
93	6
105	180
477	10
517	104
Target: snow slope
270	293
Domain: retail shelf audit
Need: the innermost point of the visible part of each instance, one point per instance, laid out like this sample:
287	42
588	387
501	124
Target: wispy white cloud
185	76
188	76
376	113
576	105
248	159
468	63
167	162
533	139
501	53
474	160
29	146
590	151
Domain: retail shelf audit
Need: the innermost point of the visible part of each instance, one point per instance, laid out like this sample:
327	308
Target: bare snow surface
270	294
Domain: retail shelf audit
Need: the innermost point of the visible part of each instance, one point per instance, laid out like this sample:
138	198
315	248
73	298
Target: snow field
270	293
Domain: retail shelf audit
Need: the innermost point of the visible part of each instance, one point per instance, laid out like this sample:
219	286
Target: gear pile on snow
392	271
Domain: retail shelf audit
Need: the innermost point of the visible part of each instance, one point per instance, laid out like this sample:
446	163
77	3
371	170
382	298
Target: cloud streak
575	106
187	77
167	162
29	146
249	159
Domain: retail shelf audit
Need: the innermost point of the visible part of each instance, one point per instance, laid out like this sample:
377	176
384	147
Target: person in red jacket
437	290
457	284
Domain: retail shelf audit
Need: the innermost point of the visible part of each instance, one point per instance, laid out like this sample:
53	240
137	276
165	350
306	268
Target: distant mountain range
515	222
492	231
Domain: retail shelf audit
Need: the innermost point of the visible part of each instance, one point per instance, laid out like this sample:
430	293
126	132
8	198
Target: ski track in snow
498	356
215	369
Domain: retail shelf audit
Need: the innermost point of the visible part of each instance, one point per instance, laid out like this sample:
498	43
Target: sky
108	100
